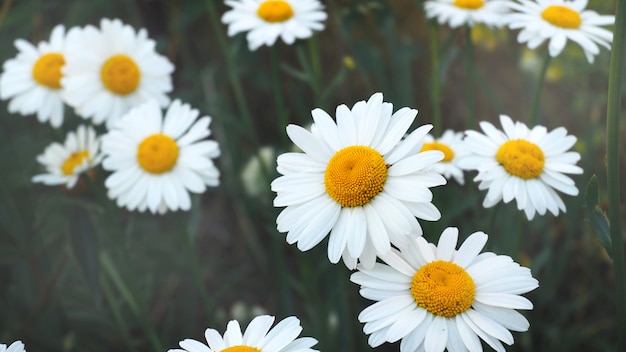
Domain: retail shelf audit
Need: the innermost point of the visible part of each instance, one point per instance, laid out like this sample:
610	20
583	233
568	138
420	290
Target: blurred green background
77	273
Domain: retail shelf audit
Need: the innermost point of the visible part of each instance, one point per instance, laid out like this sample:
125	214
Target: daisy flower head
65	162
437	297
451	145
16	346
528	165
466	12
266	20
32	80
111	69
156	161
556	21
357	180
259	336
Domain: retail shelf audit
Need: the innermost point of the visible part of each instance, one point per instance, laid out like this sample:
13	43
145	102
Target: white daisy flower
527	165
65	162
560	20
258	337
451	145
112	69
466	12
16	346
433	298
157	161
266	20
358	180
32	80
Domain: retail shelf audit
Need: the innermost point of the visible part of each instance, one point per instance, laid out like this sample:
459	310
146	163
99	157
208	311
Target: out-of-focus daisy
157	161
65	162
450	144
112	69
358	180
266	20
433	298
560	20
16	346
259	336
32	80
524	164
254	172
466	12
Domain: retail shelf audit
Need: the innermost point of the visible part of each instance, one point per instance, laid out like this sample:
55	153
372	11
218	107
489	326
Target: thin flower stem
435	75
469	82
618	55
195	268
279	101
118	282
534	115
315	65
117	315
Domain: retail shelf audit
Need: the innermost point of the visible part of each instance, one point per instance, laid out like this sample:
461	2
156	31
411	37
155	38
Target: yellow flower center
120	74
448	153
75	159
241	349
157	153
561	16
47	70
275	11
521	158
469	4
355	175
443	288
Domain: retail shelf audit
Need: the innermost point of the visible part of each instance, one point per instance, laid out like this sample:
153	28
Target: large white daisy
560	20
259	336
32	80
358	180
65	162
524	164
112	69
157	161
451	145
16	346
266	20
466	12
433	298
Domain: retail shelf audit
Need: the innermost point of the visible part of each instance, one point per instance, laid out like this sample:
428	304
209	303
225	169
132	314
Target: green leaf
596	216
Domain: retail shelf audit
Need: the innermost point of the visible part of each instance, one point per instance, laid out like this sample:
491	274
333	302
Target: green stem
117	315
197	273
435	75
118	282
469	82
534	115
279	101
618	55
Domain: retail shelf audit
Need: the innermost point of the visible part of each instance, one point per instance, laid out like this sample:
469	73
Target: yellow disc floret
275	11
73	160
521	158
47	70
469	4
561	16
120	74
448	153
443	288
355	175
157	153
241	349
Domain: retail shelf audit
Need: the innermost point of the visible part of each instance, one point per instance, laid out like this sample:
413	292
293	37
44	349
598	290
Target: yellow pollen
355	175
275	11
75	159
120	74
157	153
561	16
521	158
47	70
448	153
469	4
443	288
241	349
